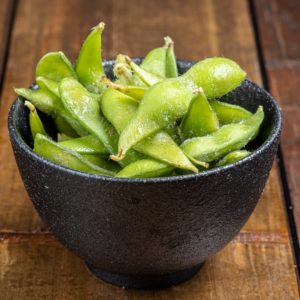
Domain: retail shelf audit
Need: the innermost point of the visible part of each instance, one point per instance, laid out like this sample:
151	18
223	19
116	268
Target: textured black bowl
149	233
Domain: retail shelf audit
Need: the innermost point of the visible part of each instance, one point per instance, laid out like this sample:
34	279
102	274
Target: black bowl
148	233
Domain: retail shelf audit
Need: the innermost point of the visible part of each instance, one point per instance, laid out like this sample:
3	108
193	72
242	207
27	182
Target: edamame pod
40	98
134	91
228	138
50	150
233	157
102	162
86	110
48	103
168	101
119	110
48	84
216	75
54	66
147	77
64	127
88	66
200	119
88	144
122	71
229	113
155	61
145	168
171	64
35	123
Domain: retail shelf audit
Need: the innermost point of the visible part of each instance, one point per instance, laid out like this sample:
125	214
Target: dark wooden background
262	35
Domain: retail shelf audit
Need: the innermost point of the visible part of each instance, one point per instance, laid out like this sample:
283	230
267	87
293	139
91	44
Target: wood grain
279	26
235	273
258	264
6	15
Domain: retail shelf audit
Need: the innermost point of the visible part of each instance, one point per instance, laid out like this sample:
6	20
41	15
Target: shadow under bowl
148	233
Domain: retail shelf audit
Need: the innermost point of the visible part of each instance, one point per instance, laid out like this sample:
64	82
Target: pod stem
119	156
30	106
168	42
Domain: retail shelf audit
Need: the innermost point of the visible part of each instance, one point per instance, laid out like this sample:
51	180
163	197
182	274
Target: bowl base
151	281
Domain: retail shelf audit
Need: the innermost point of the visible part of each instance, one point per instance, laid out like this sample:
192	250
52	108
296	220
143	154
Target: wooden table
262	35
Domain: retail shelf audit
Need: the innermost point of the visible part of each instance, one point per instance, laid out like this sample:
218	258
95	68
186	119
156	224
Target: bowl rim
17	138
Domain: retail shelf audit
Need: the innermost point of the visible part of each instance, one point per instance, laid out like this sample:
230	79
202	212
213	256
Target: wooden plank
259	262
279	28
39	268
6	15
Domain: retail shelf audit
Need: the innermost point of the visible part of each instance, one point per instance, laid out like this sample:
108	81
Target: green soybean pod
86	110
229	113
35	123
48	84
228	138
52	151
171	63
54	66
200	119
102	162
64	127
145	168
88	66
88	144
155	61
233	157
134	91
168	100
147	77
119	109
40	98
216	75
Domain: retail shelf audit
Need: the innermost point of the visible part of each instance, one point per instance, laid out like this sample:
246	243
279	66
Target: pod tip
100	26
198	90
168	42
119	156
128	59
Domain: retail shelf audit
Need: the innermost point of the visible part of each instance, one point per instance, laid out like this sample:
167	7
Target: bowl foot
151	281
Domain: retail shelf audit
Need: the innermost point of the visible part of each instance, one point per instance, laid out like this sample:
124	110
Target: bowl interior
248	95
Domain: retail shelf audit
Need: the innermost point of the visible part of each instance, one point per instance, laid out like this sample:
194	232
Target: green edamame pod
216	75
88	144
134	91
40	98
102	162
228	138
88	66
200	119
50	150
48	84
35	123
48	103
86	110
233	157
168	101
147	77
171	64
155	61
145	168
64	127
54	66
229	113
119	110
61	137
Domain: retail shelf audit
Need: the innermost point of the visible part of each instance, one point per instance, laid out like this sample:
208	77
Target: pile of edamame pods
149	122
